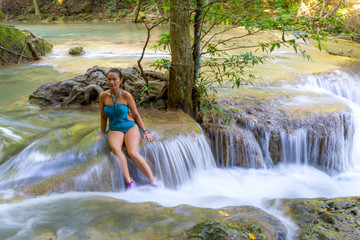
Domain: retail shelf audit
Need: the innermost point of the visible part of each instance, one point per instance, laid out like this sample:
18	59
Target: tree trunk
197	38
137	10
37	10
182	66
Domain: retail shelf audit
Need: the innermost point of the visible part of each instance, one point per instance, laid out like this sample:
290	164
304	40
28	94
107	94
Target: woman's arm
135	114
103	116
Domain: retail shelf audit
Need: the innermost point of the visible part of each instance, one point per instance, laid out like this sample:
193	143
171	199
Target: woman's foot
131	184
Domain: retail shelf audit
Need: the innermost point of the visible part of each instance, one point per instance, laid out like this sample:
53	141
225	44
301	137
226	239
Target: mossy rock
323	218
97	217
2	15
50	19
13	40
221	230
76	51
71	18
61	19
23	18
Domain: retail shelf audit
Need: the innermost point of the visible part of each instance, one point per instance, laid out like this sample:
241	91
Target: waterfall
234	146
345	85
327	141
177	159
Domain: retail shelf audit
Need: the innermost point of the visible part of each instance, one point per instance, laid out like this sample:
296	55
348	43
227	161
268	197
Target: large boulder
16	45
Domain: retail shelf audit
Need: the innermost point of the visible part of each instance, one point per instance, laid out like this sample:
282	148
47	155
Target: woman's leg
116	140
132	140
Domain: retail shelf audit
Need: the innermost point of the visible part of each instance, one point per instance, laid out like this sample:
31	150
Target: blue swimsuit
117	114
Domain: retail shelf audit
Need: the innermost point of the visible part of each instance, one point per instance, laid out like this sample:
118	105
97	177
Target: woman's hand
148	136
99	137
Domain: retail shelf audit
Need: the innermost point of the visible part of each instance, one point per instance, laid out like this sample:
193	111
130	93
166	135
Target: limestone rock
75	51
98	217
324	218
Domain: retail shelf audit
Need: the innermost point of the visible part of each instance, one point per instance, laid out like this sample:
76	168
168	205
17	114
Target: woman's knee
134	154
117	151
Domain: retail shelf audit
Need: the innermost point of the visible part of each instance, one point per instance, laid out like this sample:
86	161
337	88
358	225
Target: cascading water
346	86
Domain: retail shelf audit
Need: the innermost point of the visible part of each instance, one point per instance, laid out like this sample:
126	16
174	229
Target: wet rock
75	51
215	230
324	218
234	146
73	161
270	125
97	217
85	89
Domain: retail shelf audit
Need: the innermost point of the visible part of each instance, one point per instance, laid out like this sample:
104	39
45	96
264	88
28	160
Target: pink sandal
131	184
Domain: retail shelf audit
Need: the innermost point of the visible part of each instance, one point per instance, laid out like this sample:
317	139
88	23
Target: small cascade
176	160
345	85
340	83
59	162
234	146
331	153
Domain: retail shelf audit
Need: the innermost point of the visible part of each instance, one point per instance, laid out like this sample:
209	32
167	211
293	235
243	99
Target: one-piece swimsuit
117	114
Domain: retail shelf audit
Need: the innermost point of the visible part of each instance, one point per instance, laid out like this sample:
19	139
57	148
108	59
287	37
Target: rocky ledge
267	125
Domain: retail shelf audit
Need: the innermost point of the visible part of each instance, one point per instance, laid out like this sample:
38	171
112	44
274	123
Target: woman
115	105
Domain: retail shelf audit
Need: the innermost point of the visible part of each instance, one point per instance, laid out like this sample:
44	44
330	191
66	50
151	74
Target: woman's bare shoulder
126	94
104	94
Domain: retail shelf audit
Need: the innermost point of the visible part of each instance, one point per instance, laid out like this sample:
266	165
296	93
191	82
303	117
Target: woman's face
113	80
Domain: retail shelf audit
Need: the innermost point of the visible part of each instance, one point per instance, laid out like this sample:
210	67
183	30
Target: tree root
22	53
96	69
39	97
7	50
32	47
89	89
157	75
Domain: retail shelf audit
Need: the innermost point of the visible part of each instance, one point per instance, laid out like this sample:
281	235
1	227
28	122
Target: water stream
41	144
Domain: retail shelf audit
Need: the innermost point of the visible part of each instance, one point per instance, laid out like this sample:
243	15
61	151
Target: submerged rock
17	45
271	125
75	51
323	218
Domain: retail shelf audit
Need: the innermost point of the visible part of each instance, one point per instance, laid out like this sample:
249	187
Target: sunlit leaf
224	213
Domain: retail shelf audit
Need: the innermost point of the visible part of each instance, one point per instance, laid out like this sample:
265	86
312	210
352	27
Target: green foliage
160	64
145	91
163	44
224	61
112	5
